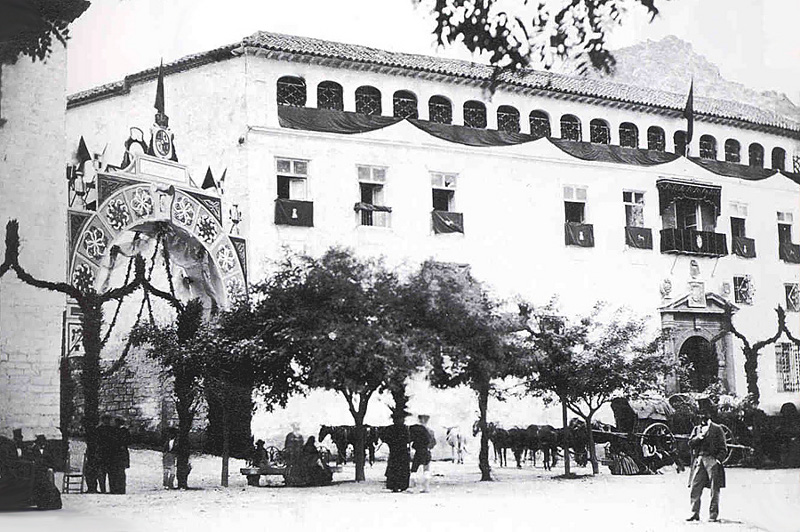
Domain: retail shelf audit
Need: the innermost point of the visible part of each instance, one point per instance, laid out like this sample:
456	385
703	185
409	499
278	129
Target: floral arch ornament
131	205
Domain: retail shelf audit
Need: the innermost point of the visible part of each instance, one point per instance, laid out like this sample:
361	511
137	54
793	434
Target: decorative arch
508	119
656	140
330	95
194	220
540	123
778	159
599	131
628	135
474	114
570	128
733	151
708	147
440	110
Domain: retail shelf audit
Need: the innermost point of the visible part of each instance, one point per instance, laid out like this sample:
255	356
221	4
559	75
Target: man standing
422	440
707	442
170	458
105	439
120	457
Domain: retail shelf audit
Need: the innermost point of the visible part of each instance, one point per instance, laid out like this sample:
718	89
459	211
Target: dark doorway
699	364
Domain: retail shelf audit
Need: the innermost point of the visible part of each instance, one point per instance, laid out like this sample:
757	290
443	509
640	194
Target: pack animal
457	442
343	436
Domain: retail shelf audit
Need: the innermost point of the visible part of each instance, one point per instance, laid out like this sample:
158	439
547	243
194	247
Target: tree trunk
226	443
751	374
90	376
183	406
483	455
566	441
590	439
358	448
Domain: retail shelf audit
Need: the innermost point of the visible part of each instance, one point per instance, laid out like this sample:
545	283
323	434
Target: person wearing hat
292	450
707	442
19	444
422	440
397	438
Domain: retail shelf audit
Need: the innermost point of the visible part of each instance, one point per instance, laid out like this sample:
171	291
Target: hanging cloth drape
589	151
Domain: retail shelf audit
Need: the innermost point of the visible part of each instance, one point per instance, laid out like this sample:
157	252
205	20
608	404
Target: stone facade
33	191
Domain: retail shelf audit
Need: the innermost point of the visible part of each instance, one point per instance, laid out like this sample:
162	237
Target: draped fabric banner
579	235
671	189
743	247
741	171
328	121
447	222
639	237
470	136
589	151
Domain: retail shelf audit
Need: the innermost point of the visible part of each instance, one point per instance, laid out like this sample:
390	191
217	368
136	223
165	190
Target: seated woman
309	470
259	456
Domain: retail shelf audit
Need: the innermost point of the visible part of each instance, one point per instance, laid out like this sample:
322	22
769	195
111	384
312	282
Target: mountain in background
653	64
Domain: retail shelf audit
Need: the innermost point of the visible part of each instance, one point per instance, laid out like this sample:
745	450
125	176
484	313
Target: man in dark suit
707	442
105	438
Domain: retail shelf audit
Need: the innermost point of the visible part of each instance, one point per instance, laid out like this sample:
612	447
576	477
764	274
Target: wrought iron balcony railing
691	241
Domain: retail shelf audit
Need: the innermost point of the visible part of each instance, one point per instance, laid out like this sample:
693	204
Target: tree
340	320
28	27
586	362
751	351
174	347
466	336
514	32
91	305
589	363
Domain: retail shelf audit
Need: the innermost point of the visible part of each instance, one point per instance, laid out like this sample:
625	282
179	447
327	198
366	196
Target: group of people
400	467
302	458
27	474
107	457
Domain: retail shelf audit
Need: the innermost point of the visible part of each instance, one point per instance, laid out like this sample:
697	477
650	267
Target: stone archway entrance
698	360
699	344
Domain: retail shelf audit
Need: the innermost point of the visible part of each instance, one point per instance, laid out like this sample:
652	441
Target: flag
83	153
221	184
159	105
208	182
688	114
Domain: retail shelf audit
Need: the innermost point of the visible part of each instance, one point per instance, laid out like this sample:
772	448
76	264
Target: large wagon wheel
275	457
657	436
728	440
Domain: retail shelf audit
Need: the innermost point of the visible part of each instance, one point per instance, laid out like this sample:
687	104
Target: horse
549	439
344	435
498	437
518	441
457	443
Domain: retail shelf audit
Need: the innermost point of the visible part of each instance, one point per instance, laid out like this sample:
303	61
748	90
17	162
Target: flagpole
688	113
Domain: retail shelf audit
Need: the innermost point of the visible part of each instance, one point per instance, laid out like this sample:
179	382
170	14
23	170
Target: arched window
540	123
679	139
368	101
756	155
440	110
628	135
291	91
733	151
599	132
508	119
570	128
778	159
405	105
708	147
330	96
474	114
656	139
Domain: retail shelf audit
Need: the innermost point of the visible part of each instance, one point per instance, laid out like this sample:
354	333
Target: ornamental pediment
699	302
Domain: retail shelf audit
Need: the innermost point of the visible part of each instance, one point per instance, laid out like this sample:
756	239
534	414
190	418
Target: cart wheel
659	436
728	440
275	456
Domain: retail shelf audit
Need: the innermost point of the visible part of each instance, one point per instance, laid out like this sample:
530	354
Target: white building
318	152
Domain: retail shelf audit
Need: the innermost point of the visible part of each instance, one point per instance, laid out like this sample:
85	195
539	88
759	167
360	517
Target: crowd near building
544	184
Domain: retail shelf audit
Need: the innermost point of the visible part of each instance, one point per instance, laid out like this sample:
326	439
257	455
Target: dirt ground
530	499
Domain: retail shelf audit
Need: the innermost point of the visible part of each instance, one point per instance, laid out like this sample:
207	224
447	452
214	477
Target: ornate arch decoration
126	203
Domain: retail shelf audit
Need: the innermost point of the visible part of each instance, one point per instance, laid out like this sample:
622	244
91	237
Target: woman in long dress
397	438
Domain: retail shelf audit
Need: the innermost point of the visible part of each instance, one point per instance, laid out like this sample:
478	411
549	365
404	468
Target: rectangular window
792	297
371	182
444	191
634	208
787	365
687	214
785	220
738	216
737	227
743	289
574	204
292	178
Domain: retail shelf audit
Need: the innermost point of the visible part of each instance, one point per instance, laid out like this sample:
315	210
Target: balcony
693	242
743	247
581	235
789	252
447	222
294	212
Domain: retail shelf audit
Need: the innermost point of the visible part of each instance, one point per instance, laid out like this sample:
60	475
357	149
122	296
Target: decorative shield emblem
699	241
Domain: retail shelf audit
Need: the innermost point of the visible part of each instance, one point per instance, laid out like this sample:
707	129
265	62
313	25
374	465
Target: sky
754	42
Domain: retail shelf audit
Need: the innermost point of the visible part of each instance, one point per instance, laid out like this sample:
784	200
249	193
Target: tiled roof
546	82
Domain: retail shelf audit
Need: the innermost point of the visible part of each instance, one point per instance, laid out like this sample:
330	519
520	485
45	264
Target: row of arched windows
330	95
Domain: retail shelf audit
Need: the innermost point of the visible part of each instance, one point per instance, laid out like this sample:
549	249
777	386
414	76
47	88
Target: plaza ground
530	499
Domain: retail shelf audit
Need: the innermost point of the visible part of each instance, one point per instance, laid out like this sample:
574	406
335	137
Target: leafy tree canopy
515	32
29	27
